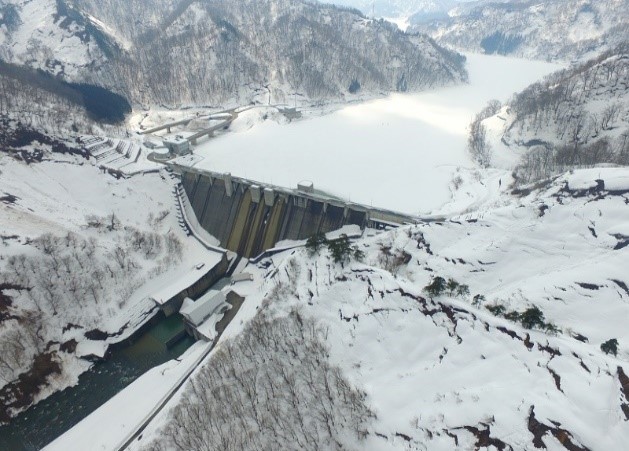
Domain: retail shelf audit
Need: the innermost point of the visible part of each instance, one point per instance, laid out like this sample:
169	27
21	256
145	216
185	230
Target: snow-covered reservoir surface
387	153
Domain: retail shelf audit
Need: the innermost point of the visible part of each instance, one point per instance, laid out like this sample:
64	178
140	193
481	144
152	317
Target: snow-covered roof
242	277
178	281
208	327
614	179
178	139
203	307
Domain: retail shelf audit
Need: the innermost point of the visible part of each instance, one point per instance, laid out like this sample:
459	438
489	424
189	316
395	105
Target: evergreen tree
452	285
532	317
340	249
610	347
314	243
436	288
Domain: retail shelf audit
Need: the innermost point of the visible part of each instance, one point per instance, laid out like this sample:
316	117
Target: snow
111	424
401	22
585	179
203	307
428	373
208	327
351	230
88	348
171	284
387	153
44	44
58	196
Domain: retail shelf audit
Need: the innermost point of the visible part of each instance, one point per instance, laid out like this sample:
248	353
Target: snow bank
614	179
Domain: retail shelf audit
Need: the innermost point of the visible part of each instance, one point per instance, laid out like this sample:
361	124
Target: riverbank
123	418
141	352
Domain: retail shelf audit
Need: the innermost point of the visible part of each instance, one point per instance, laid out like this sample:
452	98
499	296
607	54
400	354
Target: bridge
168	126
230	115
209	132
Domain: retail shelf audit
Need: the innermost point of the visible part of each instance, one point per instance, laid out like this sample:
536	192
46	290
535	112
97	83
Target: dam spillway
249	219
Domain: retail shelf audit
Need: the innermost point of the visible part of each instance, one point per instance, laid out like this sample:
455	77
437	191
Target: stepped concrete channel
249	217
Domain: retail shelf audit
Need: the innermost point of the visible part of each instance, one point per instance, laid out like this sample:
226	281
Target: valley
284	224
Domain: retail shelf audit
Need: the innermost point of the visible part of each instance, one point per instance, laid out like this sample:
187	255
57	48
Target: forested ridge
208	52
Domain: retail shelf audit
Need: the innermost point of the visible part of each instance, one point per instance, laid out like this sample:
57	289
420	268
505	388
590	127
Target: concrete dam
249	218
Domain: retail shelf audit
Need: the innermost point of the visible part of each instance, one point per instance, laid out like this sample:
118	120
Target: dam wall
249	218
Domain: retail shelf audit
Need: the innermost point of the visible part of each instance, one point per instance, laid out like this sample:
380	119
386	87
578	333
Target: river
42	423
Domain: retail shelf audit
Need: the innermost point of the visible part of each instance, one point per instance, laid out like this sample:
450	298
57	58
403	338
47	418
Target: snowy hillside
52	36
509	358
573	118
427	9
78	247
556	30
157	53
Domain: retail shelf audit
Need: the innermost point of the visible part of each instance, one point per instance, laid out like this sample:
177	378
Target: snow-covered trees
269	387
478	145
208	52
552	29
70	279
577	117
477	142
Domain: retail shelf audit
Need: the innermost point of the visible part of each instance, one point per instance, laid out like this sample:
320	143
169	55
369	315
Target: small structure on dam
178	145
249	218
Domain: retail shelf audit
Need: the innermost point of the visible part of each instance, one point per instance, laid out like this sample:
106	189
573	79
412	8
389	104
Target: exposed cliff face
208	52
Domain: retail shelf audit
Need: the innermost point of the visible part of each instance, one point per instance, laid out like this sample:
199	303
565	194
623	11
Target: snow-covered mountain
81	251
52	36
547	29
60	205
155	52
573	118
360	355
427	9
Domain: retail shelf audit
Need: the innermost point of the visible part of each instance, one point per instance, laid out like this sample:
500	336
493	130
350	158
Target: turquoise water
42	423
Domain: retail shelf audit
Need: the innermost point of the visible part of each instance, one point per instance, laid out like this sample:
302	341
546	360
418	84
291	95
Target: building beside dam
248	218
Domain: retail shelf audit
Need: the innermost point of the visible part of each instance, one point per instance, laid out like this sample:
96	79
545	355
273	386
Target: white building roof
174	282
203	307
208	328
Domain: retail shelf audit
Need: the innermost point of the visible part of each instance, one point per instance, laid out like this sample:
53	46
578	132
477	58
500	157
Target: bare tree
610	115
478	145
270	386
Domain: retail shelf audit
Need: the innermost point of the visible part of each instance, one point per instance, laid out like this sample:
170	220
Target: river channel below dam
47	420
